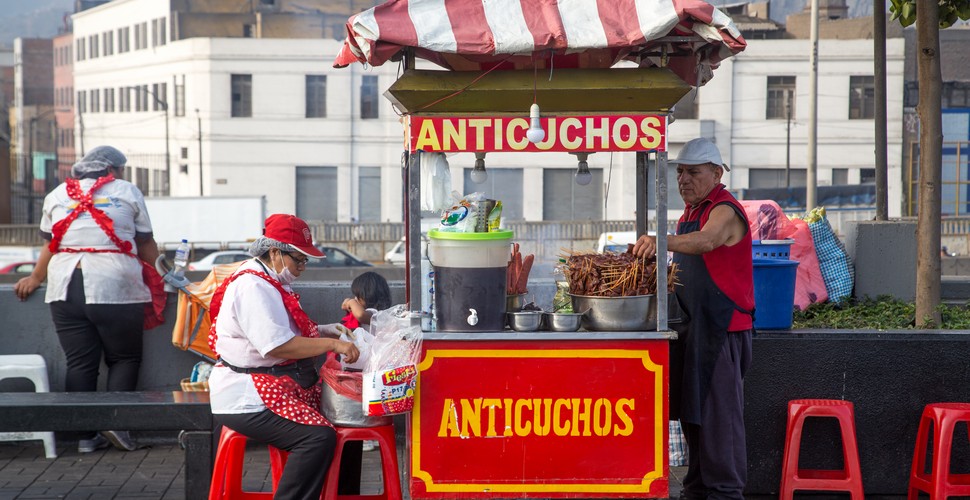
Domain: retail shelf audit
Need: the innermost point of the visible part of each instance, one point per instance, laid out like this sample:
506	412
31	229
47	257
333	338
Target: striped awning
691	37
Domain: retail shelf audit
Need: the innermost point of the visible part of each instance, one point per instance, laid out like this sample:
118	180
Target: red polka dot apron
154	310
281	394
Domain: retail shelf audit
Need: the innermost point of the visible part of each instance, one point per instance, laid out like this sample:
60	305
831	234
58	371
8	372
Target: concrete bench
133	411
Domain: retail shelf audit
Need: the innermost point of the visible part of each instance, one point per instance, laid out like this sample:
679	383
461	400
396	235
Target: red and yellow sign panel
562	133
540	420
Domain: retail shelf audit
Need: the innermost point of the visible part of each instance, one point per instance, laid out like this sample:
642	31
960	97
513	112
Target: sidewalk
154	472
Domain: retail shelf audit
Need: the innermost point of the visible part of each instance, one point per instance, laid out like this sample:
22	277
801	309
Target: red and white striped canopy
691	37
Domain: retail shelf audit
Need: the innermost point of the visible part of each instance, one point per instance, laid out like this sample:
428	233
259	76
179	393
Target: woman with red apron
100	237
265	384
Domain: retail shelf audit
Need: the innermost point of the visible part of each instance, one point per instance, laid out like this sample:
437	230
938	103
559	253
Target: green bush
881	313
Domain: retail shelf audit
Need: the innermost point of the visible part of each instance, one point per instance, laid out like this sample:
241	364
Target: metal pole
812	172
879	72
30	173
788	147
661	241
201	184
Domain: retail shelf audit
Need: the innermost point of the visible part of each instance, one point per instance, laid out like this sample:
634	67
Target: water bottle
181	259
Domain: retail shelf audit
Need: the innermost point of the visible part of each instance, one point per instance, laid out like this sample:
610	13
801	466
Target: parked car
221	257
337	257
17	267
396	254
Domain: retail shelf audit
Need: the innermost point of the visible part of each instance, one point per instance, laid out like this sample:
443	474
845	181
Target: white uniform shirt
252	322
109	278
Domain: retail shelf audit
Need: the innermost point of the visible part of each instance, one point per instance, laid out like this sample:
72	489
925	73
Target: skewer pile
613	274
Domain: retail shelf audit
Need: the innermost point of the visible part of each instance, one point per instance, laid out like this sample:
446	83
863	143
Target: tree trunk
930	169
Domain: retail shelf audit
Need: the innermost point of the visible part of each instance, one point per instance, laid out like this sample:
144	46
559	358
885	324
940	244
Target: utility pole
201	183
811	180
788	144
879	72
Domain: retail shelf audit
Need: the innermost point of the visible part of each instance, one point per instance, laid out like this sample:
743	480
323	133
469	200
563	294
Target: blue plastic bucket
771	249
774	293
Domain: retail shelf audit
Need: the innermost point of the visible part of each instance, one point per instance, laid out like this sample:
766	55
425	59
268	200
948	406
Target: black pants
86	331
311	449
717	455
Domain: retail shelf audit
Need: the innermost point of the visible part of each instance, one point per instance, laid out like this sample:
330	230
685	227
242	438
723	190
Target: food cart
504	414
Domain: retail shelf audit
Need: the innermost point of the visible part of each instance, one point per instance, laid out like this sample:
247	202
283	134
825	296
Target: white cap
698	152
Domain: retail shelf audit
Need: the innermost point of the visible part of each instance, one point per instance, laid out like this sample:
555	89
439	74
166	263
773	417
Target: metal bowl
525	321
633	313
561	321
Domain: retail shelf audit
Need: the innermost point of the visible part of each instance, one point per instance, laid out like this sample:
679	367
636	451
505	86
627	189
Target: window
108	40
867	176
124	99
840	176
94	42
80	49
781	97
686	108
124	40
138	101
563	199
143	97
316	193
316	96
369	194
368	97
180	98
862	98
242	95
956	94
158	32
184	153
774	177
109	100
249	30
95	101
141	36
81	102
161	96
502	184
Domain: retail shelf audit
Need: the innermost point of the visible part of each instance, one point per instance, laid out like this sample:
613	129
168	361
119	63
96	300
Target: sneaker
120	440
91	445
369	445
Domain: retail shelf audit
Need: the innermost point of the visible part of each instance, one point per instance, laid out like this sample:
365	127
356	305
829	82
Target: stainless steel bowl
561	321
634	313
525	321
514	303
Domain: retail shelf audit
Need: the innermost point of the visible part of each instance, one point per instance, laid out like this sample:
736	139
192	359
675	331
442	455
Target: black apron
701	334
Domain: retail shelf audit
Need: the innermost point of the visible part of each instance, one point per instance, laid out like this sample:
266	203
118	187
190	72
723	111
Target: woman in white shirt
266	384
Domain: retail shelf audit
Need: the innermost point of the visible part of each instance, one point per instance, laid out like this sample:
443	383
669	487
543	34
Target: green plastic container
470	279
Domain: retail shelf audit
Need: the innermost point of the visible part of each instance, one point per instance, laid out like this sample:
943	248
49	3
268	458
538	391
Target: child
371	294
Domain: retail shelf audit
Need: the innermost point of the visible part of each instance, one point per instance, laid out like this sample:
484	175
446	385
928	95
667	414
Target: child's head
372	289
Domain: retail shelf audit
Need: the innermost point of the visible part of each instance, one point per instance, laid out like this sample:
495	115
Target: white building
270	116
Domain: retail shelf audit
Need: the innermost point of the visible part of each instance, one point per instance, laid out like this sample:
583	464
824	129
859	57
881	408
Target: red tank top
730	267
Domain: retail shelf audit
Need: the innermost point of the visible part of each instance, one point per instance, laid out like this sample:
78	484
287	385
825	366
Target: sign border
643	487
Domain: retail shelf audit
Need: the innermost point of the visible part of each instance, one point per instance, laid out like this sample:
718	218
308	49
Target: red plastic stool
384	435
939	482
227	471
848	479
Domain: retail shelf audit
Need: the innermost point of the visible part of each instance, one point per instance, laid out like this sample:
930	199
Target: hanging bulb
582	176
535	133
479	175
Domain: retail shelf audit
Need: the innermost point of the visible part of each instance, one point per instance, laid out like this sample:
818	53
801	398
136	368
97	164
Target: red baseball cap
291	230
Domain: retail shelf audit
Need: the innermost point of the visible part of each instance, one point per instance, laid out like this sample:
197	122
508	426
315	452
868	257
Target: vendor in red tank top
712	250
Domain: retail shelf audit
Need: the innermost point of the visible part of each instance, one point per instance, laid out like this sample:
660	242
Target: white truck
211	222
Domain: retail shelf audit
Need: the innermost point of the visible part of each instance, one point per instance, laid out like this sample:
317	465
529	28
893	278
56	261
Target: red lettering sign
562	133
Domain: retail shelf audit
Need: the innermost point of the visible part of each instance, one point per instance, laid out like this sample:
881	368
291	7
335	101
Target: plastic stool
939	482
227	471
33	367
384	435
848	479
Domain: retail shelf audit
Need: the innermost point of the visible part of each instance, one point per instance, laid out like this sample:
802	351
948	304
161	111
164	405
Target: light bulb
583	176
479	175
535	133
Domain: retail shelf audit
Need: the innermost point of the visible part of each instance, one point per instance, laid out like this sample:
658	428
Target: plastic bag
837	269
361	338
436	182
391	373
466	214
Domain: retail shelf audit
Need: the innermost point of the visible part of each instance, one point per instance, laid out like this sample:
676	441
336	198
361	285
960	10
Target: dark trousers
717	457
86	331
311	450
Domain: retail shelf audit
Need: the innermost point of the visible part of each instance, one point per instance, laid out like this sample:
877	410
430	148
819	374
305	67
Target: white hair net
262	244
99	159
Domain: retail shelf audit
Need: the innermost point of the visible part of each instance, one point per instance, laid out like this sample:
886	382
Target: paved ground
154	472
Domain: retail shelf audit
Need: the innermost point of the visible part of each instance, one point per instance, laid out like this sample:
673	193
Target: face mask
285	276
